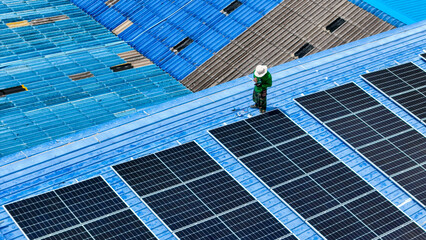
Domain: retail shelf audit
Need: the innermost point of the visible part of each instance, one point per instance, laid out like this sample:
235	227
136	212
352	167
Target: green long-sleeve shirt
265	81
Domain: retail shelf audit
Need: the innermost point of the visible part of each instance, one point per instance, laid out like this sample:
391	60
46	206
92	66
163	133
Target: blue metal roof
159	25
385	16
43	56
91	152
407	11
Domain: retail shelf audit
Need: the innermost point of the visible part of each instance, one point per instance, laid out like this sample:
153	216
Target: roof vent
335	24
181	45
121	67
305	49
7	91
231	7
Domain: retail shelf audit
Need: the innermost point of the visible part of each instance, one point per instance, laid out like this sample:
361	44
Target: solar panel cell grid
253	222
153	175
194	164
178	207
220	193
86	210
91	199
243	141
211	229
405	84
41	215
122	225
324	191
378	134
78	233
206	203
264	163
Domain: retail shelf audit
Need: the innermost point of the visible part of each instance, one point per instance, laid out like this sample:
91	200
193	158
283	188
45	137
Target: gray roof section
275	38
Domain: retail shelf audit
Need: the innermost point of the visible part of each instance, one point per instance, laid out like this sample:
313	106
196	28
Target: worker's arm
267	82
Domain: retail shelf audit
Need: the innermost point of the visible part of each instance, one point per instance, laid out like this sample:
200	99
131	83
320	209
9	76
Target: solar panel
423	55
78	233
196	198
86	210
313	182
405	84
375	132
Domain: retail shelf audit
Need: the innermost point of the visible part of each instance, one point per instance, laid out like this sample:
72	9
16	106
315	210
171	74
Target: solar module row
196	198
325	192
375	132
86	210
405	84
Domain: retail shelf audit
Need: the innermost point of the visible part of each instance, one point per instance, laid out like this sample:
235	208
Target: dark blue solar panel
253	222
153	175
244	141
189	163
205	202
41	215
123	225
211	229
377	133
405	84
80	211
178	207
78	233
219	192
312	180
91	199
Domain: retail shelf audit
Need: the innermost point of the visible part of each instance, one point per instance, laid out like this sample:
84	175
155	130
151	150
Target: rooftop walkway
67	60
91	152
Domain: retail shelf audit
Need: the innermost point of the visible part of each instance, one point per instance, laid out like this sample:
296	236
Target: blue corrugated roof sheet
160	25
93	151
42	57
407	11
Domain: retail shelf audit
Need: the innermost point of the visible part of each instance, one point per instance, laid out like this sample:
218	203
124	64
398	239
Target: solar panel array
405	84
85	210
196	198
329	195
375	132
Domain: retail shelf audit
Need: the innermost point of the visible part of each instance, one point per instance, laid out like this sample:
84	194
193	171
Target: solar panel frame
287	204
394	100
356	150
81	224
288	236
422	56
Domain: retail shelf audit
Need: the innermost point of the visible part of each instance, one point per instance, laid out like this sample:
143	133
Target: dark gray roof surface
276	37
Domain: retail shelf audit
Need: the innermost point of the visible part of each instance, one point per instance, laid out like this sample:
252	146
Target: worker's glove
259	83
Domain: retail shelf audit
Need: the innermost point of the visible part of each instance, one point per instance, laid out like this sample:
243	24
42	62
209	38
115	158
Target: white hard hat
261	70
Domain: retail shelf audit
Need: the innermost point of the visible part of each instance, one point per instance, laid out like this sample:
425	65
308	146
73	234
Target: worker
262	80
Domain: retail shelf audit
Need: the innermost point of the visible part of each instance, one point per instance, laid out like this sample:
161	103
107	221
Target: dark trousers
259	98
